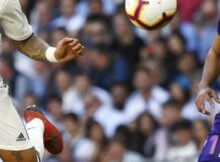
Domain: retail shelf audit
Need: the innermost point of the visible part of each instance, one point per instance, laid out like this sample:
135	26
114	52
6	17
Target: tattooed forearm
17	155
33	47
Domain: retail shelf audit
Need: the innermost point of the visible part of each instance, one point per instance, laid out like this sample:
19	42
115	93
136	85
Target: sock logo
21	138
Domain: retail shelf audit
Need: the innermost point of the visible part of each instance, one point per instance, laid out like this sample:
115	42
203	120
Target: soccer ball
150	14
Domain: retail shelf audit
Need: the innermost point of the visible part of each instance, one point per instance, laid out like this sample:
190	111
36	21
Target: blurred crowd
131	97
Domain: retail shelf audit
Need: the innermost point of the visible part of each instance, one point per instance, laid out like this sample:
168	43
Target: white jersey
13	22
13	134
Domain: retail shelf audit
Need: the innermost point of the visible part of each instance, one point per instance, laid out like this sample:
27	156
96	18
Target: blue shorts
211	149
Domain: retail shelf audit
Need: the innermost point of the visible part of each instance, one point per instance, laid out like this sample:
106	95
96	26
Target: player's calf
29	155
53	141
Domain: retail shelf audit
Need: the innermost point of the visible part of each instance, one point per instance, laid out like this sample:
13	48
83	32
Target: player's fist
68	49
206	95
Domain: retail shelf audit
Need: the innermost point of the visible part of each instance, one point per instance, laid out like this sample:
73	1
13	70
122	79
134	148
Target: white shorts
13	135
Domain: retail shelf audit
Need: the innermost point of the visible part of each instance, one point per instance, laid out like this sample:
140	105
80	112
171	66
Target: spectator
106	69
156	49
57	35
82	86
145	137
65	88
69	18
62	157
176	48
19	83
201	129
85	150
171	115
42	18
187	29
29	99
124	134
156	57
109	118
119	93
72	126
176	44
24	5
109	7
207	27
126	43
158	74
147	96
179	93
95	132
187	65
185	150
96	7
189	110
96	31
40	79
54	108
117	151
8	46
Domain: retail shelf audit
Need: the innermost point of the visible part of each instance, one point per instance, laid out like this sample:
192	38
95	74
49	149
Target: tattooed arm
35	48
15	25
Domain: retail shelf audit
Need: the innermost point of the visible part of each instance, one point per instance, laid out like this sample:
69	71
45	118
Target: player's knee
29	155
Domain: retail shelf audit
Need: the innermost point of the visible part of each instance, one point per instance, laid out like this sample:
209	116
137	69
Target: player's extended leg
211	149
15	144
19	156
35	129
42	132
14	141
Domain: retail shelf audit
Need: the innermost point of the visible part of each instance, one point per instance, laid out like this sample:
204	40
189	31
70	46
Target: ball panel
164	20
151	14
131	6
149	17
148	13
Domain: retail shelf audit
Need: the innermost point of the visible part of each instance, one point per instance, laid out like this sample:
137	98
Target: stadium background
131	97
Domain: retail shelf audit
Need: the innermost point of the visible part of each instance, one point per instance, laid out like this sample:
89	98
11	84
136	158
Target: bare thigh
29	155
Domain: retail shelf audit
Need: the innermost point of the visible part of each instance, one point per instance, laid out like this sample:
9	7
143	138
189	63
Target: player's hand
68	49
206	95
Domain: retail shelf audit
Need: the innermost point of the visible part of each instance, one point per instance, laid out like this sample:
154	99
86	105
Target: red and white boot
53	141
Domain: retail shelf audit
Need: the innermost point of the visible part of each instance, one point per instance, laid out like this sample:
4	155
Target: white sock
35	129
